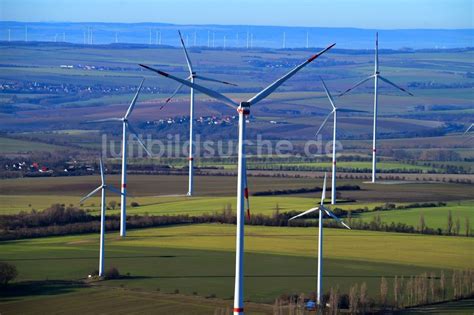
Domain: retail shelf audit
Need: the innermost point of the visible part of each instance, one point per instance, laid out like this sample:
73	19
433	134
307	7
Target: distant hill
235	35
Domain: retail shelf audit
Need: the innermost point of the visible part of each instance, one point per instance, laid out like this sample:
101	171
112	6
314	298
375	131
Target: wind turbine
126	126
192	77
321	208
334	130
243	109
468	129
376	76
103	187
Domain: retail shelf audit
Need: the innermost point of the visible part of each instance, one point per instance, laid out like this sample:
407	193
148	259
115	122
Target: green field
9	145
436	217
200	258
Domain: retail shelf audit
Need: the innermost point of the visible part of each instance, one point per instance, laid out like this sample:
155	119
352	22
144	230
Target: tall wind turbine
243	109
192	77
321	208
103	187
126	127
334	131
376	76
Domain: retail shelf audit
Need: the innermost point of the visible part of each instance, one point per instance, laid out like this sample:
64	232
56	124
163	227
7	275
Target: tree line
60	220
403	292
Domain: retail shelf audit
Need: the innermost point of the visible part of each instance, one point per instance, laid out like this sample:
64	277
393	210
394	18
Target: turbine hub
244	108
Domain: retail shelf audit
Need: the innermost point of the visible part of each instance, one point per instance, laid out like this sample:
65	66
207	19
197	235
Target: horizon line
243	25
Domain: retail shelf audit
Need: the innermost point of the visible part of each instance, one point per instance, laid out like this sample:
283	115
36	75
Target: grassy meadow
200	258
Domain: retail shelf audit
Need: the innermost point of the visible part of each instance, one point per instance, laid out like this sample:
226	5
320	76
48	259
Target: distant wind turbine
103	187
468	129
192	77
376	76
126	127
334	113
320	209
243	109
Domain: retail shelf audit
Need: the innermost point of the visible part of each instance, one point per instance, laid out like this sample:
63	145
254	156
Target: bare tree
396	292
454	283
354	299
363	298
383	291
457	226
334	301
442	285
467	226
449	227
432	287
113	204
422	224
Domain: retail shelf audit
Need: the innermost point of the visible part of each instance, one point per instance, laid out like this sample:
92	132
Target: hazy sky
381	14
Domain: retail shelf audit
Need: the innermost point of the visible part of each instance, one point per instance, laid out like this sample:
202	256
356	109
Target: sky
379	14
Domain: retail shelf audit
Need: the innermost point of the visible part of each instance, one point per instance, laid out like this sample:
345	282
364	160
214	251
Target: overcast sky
380	14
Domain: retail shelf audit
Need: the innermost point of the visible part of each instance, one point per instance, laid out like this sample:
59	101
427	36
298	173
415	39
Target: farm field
435	218
278	259
61	298
8	145
157	194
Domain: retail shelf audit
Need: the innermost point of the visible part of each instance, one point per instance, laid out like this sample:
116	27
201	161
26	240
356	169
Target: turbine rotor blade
188	60
172	95
114	190
324	122
356	85
134	133
304	213
328	94
272	87
91	194
468	129
102	176
323	193
196	86
200	77
332	215
103	120
134	100
394	85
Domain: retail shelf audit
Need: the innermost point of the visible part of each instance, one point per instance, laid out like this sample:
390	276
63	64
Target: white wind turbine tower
321	208
376	76
126	127
192	77
243	109
334	131
103	187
